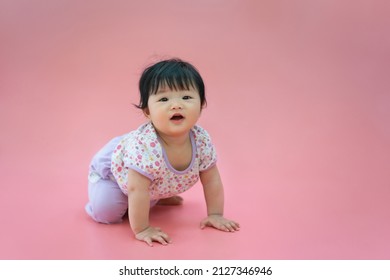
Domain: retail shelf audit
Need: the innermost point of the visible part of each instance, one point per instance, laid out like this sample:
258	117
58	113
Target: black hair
174	73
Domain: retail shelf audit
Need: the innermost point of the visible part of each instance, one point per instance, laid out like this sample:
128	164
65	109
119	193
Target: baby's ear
146	112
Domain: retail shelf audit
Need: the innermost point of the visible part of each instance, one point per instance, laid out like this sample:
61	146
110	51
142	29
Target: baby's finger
166	237
230	227
148	241
222	227
161	240
235	225
203	224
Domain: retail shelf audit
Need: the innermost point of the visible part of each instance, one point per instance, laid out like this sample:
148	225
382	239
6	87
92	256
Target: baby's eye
164	99
187	97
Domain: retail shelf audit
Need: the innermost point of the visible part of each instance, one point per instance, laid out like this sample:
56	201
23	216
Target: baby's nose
176	104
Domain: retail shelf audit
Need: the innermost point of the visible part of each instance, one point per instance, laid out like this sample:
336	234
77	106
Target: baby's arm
213	191
139	205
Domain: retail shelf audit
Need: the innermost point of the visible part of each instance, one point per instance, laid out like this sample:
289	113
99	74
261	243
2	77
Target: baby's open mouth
177	117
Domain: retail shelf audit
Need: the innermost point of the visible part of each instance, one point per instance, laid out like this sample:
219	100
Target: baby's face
172	112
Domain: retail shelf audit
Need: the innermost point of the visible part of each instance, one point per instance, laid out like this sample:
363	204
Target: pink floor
298	107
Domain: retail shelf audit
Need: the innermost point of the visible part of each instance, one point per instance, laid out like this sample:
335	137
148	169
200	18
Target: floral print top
141	151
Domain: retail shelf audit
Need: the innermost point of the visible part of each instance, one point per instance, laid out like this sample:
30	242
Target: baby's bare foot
174	200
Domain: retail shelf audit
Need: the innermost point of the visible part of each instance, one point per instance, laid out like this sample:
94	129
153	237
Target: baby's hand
151	234
219	222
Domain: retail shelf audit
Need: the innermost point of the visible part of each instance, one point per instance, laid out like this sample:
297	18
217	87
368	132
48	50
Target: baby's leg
107	203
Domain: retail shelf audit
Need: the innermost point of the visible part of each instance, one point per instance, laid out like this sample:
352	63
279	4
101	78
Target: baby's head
174	74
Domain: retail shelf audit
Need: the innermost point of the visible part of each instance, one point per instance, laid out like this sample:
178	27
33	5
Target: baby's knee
105	215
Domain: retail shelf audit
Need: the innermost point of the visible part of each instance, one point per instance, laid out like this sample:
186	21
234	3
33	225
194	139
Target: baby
161	159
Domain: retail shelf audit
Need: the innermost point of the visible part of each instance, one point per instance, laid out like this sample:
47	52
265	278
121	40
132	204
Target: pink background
299	109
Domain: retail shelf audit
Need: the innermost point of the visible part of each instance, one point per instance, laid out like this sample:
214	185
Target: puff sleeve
206	149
